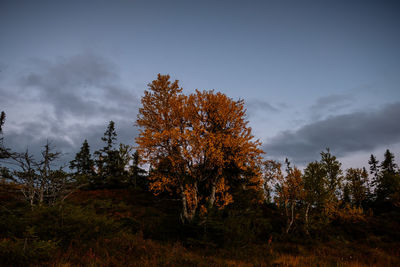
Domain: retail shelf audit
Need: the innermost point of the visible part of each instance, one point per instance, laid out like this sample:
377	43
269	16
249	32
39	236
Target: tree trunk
291	220
188	213
306	218
212	195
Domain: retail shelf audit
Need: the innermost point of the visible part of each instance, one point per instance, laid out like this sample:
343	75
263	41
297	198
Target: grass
134	228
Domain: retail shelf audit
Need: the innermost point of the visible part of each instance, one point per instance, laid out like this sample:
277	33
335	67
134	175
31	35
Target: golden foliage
198	135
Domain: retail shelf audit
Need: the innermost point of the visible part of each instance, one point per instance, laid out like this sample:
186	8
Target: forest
194	190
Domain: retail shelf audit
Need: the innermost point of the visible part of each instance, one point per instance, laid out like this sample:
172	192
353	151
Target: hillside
127	227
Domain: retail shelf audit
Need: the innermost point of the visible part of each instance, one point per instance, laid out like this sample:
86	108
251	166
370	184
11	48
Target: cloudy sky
314	74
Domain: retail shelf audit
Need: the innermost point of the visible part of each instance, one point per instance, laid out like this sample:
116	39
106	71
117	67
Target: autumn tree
315	193
221	146
272	174
193	142
290	193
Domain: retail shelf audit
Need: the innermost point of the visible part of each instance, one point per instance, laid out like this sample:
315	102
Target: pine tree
4	152
389	180
137	174
388	165
374	169
109	161
356	184
2	120
83	162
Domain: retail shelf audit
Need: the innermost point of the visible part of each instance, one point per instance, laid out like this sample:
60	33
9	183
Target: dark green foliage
387	182
137	175
388	165
356	187
112	163
83	163
333	172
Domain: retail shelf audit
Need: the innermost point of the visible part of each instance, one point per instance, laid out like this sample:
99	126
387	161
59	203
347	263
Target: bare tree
39	181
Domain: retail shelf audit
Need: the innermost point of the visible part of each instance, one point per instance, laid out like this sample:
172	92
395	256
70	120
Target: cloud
344	134
256	107
66	101
330	103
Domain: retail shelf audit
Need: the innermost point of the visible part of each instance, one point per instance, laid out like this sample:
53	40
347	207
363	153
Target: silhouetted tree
388	183
2	120
40	182
83	164
374	168
356	185
107	157
137	175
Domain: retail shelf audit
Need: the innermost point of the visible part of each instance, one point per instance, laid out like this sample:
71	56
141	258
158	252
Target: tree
83	163
356	186
290	194
374	168
388	183
137	174
39	181
388	165
193	142
2	120
272	173
315	192
333	172
108	159
4	153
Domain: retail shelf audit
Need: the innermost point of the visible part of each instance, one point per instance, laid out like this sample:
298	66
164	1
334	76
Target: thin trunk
306	218
212	195
188	213
292	218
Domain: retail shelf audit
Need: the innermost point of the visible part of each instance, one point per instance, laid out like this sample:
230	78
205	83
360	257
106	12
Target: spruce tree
374	169
108	159
137	174
2	120
83	163
389	180
388	165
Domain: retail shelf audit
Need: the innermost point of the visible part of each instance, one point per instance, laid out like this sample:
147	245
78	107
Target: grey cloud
84	85
359	131
331	103
74	98
255	106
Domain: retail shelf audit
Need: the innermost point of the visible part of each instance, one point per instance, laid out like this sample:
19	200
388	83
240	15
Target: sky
313	74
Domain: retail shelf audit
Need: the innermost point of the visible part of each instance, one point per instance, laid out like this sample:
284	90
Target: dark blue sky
313	73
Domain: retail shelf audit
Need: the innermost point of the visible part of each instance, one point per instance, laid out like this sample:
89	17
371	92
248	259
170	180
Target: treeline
198	149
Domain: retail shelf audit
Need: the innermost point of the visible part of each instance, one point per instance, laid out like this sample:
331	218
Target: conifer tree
2	120
374	169
357	186
388	165
388	183
137	174
83	163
